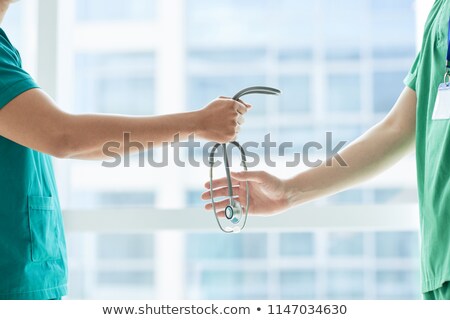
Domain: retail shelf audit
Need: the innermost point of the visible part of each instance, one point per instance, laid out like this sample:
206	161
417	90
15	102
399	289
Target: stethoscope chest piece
234	216
234	213
229	214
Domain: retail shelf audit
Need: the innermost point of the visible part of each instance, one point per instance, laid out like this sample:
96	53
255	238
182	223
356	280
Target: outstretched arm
376	150
33	120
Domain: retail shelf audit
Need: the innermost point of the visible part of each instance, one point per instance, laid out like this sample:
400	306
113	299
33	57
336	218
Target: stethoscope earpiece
235	215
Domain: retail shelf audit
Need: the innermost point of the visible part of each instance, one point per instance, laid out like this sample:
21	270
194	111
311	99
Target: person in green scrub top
409	124
33	262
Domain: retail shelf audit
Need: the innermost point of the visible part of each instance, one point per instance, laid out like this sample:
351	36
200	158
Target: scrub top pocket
44	229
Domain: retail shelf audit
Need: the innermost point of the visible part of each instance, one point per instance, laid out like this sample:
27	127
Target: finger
240	119
247	105
220	205
240	108
222	192
220	183
221	214
257	176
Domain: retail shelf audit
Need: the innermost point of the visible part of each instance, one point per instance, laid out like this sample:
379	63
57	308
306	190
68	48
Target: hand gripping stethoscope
234	219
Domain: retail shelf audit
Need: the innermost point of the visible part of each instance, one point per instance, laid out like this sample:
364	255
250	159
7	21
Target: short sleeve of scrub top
411	77
13	79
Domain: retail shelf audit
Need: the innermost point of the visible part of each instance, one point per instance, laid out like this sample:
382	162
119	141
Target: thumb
256	176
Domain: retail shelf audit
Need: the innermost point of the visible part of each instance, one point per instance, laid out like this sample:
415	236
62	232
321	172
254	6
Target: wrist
194	123
288	195
294	194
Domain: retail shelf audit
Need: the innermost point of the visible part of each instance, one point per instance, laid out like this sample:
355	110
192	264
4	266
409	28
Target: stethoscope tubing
229	182
256	90
236	97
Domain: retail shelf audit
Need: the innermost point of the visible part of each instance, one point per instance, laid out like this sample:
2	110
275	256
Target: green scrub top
32	244
433	150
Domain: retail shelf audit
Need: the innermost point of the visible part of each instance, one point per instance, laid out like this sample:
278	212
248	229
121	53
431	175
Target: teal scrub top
32	244
433	150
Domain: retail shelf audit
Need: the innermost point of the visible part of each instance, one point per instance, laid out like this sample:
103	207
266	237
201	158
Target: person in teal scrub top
409	126
32	129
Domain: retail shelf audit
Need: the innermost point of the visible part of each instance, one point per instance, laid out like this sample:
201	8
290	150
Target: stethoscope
235	217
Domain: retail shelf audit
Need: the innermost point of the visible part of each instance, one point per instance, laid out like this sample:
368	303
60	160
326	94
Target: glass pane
111	266
102	199
288	55
126	278
206	20
343	28
386	16
91	10
297	284
222	246
293	28
398	284
345	284
12	24
193	198
212	56
296	244
233	285
343	93
117	247
353	196
115	83
296	94
346	244
397	244
395	195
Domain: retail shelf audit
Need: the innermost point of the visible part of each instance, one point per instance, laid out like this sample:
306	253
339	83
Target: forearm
371	154
33	120
376	150
87	135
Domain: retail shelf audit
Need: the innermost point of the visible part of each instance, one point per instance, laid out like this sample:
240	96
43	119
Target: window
339	70
344	93
115	83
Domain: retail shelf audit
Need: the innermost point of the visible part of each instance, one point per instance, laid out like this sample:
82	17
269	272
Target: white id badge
442	106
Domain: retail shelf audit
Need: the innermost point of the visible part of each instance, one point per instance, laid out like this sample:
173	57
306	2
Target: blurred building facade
340	65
